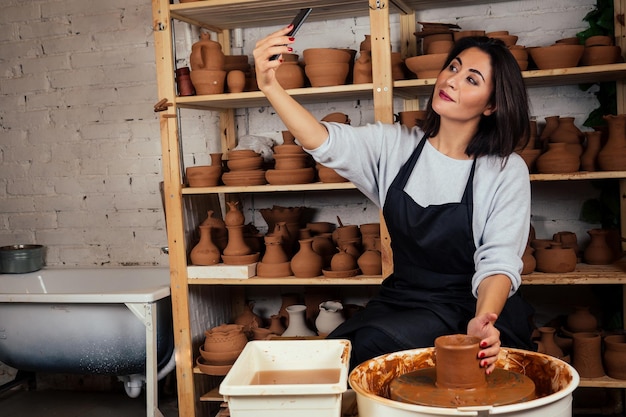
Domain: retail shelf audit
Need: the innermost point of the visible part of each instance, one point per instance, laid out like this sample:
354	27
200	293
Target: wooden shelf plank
213	395
316	186
321	280
581	175
603	382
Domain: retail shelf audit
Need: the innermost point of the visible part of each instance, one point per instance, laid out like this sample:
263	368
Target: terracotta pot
612	156
588	160
426	66
276	325
325	56
366	44
236	62
281	214
370	262
274	252
557	160
601	55
323	245
587	354
557	56
203	175
292	161
530	158
306	263
226	337
236	243
427	40
615	356
205	252
567	240
337	117
245	164
290	176
555	259
219	234
290	75
329	175
249	320
457	363
208	81
440	47
551	124
297	323
528	260
567	132
206	54
412	118
343	261
598	251
236	81
581	320
327	74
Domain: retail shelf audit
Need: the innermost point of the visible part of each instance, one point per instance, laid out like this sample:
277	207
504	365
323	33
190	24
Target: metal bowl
19	259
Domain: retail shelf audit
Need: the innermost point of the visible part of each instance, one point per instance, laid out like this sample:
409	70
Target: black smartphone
296	22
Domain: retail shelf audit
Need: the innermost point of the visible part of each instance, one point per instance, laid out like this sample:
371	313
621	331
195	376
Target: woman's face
464	87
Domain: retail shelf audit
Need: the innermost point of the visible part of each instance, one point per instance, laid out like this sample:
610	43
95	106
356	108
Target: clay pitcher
589	158
598	252
551	124
206	54
567	132
205	252
329	317
306	263
548	344
558	159
612	156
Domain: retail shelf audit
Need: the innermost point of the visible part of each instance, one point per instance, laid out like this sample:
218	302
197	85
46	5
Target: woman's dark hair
506	129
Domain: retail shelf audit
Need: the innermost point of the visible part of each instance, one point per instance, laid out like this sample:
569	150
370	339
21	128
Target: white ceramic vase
297	323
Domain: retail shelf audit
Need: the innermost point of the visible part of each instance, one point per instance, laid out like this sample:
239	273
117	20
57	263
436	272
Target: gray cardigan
370	156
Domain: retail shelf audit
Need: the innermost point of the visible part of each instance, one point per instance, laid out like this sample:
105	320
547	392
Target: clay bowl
370	229
290	176
327	74
314	56
291	161
281	214
208	81
519	52
440	47
205	368
203	175
601	55
599	41
557	56
243	164
568	41
509	40
329	175
340	274
219	358
238	178
465	33
424	66
241	153
226	337
288	149
427	40
337	117
241	259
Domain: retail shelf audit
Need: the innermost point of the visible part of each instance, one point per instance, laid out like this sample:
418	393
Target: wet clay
306	376
457	380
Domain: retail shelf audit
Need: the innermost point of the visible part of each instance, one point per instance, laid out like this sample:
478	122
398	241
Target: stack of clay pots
222	346
327	66
292	164
564	146
565	53
245	168
207	66
600	50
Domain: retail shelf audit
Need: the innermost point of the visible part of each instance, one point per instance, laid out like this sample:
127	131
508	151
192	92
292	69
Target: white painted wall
79	142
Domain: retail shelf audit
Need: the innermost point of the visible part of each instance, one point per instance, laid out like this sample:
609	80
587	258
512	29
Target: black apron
429	293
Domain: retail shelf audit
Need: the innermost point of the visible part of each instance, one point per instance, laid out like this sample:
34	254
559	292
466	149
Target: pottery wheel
503	387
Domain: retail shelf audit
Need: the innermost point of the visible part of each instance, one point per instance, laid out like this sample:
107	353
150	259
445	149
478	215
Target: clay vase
236	243
236	81
274	262
297	323
363	68
558	159
205	252
208	81
457	363
612	156
343	261
598	252
366	44
206	54
587	354
528	260
234	216
588	160
219	234
323	245
615	356
183	82
566	132
370	262
329	317
551	124
581	320
276	325
306	263
555	259
290	75
281	230
547	342
249	320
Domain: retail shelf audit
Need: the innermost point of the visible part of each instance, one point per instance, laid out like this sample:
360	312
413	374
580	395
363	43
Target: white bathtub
113	321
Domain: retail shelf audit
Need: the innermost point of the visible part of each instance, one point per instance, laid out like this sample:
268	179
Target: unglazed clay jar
615	356
587	354
205	252
612	156
555	259
598	251
306	263
582	320
548	342
236	81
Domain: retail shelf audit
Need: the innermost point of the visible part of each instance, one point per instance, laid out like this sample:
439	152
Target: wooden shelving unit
222	15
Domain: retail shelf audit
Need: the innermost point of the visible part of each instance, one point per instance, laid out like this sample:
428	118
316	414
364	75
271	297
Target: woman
455	198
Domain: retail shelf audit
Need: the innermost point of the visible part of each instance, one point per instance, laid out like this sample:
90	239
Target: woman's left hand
482	326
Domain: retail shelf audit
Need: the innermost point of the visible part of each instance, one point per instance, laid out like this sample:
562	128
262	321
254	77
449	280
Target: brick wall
79	143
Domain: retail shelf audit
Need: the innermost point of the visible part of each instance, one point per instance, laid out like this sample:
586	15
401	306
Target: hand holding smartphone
296	22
